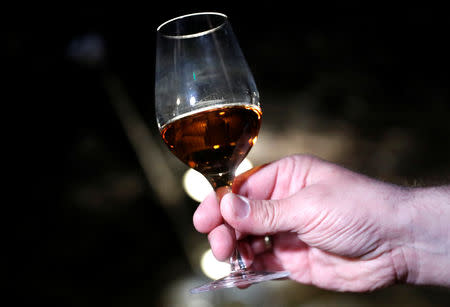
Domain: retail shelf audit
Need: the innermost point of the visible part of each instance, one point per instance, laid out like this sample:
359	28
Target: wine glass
208	110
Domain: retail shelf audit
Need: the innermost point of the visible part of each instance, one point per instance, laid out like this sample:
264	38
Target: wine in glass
208	110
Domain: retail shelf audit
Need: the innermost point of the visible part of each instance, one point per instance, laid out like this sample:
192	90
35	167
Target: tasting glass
208	110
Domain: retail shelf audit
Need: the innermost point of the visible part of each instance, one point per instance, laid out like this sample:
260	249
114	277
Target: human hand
330	227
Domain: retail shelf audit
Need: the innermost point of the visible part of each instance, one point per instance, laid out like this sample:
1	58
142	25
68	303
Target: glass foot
240	278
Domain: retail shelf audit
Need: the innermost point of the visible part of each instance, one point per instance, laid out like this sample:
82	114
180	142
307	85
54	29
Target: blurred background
101	216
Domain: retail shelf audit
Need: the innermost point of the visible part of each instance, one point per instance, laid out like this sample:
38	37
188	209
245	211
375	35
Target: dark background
87	229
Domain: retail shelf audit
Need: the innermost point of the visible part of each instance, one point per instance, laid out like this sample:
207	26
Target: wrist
424	247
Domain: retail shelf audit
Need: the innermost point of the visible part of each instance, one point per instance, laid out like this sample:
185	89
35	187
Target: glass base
240	278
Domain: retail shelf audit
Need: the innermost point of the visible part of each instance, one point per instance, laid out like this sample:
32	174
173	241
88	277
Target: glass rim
197	34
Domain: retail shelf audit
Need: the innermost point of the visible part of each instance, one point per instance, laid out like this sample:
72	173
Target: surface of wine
216	140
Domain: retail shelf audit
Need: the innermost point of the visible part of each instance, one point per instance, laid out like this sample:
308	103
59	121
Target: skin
331	227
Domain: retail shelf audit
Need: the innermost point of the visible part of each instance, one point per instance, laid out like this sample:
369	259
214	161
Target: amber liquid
215	141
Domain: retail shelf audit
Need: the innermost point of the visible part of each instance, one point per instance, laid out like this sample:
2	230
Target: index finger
276	180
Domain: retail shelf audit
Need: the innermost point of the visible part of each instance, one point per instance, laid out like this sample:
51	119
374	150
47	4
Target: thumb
259	217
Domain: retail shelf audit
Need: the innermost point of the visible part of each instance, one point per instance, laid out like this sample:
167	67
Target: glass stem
236	261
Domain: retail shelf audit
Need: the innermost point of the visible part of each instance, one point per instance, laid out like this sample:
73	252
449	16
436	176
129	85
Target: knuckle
268	215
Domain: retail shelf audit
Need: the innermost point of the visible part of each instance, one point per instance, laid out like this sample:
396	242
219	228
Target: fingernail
241	206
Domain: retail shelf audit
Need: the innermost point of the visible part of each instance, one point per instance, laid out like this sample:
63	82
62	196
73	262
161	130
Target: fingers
272	203
277	180
222	238
222	242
